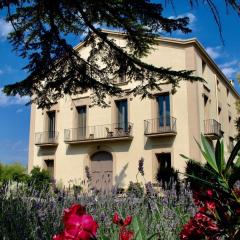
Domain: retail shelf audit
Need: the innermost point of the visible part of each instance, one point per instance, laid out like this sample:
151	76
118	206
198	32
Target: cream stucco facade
196	108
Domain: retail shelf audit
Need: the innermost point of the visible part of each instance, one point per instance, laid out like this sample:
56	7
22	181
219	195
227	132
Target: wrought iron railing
212	127
48	137
165	124
116	130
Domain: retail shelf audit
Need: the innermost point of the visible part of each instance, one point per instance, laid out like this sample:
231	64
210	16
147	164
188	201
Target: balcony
163	126
99	133
212	129
46	139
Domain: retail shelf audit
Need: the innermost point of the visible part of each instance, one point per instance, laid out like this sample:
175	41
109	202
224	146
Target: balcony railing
46	138
212	128
116	131
165	125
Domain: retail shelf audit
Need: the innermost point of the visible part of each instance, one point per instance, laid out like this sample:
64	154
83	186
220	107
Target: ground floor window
49	166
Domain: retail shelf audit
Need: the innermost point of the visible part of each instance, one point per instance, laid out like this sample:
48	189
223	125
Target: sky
15	116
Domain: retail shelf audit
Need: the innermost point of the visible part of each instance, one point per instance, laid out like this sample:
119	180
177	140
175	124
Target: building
110	141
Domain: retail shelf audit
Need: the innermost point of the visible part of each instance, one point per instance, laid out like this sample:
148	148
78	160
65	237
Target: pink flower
77	225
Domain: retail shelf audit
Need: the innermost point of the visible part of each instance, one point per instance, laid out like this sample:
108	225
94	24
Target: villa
110	141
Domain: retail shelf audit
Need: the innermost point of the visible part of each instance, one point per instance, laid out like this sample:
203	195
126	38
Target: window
164	160
163	103
51	124
49	163
164	173
203	66
227	92
218	85
205	100
229	118
82	120
219	110
122	114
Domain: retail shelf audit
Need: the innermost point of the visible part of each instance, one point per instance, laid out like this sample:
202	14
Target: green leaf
208	153
208	184
183	156
232	156
153	235
104	238
139	229
237	164
219	155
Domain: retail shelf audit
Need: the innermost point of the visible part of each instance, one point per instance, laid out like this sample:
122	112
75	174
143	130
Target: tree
12	172
55	68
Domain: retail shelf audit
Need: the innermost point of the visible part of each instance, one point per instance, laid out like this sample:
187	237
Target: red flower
116	218
211	205
126	234
127	221
199	227
210	193
77	225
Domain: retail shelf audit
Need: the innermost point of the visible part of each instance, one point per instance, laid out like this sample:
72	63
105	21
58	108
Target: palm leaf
219	155
232	156
208	153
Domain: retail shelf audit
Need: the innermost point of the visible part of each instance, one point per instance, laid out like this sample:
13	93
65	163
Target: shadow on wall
84	149
46	151
159	142
119	179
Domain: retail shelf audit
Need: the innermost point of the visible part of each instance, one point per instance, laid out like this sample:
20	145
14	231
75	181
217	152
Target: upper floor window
51	124
82	120
203	66
227	92
122	113
218	85
163	105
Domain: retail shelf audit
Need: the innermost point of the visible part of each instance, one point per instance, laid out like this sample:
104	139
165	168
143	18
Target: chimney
232	82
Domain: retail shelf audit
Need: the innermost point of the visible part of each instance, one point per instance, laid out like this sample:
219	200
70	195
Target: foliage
39	179
135	189
26	213
167	176
216	192
12	172
55	68
77	189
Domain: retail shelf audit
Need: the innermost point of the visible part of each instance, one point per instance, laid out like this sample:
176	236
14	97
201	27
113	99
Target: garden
204	205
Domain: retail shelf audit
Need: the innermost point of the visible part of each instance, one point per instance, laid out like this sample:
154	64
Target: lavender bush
29	214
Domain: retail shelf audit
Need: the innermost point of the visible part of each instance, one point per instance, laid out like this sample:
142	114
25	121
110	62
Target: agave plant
216	192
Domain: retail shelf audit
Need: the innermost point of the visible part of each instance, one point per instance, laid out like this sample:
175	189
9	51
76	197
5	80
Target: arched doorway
101	170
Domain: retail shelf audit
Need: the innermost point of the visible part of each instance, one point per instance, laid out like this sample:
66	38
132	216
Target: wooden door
101	171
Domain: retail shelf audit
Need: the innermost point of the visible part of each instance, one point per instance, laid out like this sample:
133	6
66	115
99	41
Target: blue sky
15	116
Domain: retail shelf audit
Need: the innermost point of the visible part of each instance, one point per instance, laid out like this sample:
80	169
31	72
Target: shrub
135	189
167	176
216	193
36	214
39	179
12	172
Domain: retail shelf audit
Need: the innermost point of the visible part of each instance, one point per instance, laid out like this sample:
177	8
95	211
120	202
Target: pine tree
55	68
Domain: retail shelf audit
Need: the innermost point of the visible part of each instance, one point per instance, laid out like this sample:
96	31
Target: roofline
190	41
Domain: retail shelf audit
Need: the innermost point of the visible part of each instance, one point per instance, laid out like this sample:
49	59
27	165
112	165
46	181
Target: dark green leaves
55	68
